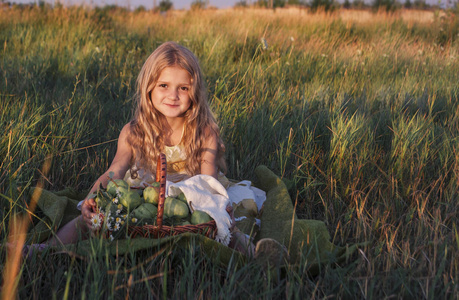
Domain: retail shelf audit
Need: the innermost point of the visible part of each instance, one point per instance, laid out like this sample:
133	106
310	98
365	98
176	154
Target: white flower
111	237
96	221
118	220
264	43
134	220
117	227
115	200
118	211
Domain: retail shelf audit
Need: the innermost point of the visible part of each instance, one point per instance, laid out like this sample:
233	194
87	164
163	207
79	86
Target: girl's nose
174	95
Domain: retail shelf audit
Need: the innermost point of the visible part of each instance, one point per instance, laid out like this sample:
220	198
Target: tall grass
360	114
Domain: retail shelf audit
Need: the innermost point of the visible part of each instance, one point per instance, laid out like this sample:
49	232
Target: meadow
357	111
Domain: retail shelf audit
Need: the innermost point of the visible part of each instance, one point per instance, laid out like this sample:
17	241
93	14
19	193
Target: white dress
175	158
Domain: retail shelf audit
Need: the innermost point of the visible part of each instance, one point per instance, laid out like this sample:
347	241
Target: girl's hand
88	210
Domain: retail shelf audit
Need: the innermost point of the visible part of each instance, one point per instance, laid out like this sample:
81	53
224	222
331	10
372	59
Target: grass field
359	111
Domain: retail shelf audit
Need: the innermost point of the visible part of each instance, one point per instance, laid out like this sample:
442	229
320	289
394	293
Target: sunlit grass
359	111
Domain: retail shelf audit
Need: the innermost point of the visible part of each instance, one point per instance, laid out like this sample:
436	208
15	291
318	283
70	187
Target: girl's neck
174	132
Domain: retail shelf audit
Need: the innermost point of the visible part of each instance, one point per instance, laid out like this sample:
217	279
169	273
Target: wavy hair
146	127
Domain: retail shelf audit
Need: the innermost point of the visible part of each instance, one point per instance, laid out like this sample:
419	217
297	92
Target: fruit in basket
175	208
246	208
130	199
101	202
145	211
151	195
155	184
119	184
102	198
199	217
182	197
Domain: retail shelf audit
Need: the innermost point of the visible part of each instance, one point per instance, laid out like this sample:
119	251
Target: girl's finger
89	217
91	202
89	224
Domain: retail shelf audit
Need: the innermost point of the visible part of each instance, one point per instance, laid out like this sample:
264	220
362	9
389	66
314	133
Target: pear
151	195
130	199
199	217
114	185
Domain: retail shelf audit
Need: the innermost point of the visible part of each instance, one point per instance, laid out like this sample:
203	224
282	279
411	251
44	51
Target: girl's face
170	96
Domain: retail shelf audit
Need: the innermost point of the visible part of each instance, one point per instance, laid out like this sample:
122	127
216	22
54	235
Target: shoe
270	253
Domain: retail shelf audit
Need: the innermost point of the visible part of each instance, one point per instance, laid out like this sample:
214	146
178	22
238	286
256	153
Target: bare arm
120	163
119	166
209	156
209	166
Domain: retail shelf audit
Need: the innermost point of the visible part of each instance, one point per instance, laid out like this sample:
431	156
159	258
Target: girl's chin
173	116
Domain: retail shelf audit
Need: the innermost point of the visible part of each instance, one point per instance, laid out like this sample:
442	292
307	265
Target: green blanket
307	241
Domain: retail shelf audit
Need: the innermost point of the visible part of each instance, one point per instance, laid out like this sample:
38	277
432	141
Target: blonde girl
173	116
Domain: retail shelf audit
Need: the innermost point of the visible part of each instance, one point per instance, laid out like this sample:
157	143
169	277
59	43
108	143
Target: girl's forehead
174	73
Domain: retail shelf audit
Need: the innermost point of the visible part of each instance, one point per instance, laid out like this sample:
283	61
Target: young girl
172	116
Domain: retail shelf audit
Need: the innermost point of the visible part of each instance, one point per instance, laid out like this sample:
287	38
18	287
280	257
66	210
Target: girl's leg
241	242
267	252
69	233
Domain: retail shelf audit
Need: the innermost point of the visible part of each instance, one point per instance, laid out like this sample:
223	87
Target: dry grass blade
19	226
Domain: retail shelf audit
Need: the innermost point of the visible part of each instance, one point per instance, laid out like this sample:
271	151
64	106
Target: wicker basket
208	229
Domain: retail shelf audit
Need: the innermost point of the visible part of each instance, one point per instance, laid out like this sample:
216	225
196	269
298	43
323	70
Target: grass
360	114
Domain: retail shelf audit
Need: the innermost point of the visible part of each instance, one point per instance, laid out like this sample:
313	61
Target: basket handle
161	169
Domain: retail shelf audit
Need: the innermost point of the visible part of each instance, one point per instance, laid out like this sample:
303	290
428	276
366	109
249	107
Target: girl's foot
29	250
270	253
242	243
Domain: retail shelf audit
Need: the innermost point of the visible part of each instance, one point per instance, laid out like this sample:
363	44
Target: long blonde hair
146	128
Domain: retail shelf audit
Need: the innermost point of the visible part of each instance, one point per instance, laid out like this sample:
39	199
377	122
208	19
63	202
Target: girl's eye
163	85
184	88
